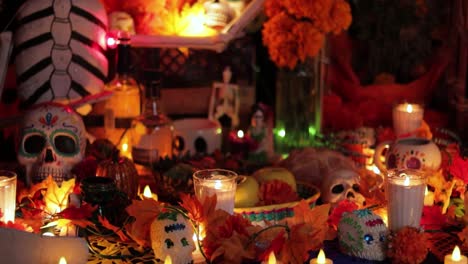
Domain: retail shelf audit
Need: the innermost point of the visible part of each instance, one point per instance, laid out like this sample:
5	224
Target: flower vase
298	107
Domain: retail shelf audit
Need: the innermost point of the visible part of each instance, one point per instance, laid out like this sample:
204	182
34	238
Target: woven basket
278	212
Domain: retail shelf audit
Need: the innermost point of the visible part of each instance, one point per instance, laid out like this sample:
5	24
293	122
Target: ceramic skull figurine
53	141
172	234
363	234
341	184
60	50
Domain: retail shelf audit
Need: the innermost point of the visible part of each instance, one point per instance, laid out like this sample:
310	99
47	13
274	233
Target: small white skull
53	141
172	234
121	21
341	184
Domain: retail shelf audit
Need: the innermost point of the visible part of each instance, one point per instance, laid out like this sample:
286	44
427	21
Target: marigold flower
402	248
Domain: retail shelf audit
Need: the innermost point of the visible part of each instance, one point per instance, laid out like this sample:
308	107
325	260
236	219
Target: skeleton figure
53	141
60	50
363	234
172	234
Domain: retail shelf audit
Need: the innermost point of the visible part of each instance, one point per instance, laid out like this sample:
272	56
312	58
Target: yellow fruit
275	173
246	193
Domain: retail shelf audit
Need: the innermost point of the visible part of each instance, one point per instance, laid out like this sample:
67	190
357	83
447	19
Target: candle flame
407	181
168	260
272	258
147	192
49	234
124	147
218	185
240	134
409	108
456	254
321	259
62	260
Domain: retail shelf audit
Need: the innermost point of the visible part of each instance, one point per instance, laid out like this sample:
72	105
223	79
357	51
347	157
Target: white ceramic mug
196	136
408	153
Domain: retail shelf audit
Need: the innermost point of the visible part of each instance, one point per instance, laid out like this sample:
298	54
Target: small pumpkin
123	171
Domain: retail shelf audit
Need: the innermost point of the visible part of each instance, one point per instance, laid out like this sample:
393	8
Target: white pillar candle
407	118
456	257
216	181
405	197
7	195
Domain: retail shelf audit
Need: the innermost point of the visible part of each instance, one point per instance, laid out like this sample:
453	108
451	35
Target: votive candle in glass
407	118
7	195
405	198
216	181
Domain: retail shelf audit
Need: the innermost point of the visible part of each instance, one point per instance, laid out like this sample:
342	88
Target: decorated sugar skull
363	234
53	141
341	184
172	234
60	50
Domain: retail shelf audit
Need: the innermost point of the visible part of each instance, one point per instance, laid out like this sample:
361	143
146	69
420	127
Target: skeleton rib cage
60	50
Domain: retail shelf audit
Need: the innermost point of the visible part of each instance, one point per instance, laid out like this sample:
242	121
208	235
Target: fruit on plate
246	192
275	173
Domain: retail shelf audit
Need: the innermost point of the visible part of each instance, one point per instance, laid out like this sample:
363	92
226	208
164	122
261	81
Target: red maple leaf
432	218
193	207
459	168
83	212
276	245
234	223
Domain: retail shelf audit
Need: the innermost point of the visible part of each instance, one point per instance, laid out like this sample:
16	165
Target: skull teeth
58	174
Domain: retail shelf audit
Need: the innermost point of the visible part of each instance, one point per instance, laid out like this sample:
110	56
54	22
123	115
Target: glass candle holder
407	118
7	195
405	198
216	181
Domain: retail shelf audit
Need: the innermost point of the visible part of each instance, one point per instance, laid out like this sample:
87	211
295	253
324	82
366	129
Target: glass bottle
125	103
152	131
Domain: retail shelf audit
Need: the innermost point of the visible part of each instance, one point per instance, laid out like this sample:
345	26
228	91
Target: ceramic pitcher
408	153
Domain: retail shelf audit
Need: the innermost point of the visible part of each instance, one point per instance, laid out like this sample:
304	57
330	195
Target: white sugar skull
172	234
341	184
53	141
60	50
363	234
121	21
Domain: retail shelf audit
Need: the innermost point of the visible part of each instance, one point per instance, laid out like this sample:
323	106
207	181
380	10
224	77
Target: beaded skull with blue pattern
53	141
363	234
172	234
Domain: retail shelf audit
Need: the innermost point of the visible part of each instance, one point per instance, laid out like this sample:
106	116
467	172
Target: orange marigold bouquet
296	29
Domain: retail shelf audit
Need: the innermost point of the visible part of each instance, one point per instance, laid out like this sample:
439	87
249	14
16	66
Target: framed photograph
224	104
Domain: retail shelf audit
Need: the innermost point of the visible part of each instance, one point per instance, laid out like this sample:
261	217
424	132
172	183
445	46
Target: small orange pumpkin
124	173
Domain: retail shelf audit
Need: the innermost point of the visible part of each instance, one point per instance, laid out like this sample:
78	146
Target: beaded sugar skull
363	234
172	234
53	141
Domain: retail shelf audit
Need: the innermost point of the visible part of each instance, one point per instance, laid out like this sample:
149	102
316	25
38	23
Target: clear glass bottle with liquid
125	103
152	131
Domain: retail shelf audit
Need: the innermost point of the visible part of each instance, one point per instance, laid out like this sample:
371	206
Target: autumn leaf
56	198
193	207
432	218
30	193
144	212
106	224
275	246
232	250
459	168
33	218
83	212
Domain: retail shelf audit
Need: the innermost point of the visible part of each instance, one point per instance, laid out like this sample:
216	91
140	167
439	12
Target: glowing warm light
111	42
125	147
62	260
375	169
272	258
168	260
49	234
409	108
456	254
321	259
240	134
407	181
147	192
218	185
219	131
426	192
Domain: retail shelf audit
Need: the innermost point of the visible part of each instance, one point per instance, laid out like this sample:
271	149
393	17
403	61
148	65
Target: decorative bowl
278	212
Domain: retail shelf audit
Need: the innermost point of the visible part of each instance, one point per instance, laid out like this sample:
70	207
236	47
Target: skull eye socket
34	144
356	187
65	144
339	188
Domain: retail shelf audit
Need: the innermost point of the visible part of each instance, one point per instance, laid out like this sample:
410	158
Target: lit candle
168	260
147	194
321	259
240	134
407	118
7	195
428	198
221	183
456	257
405	196
271	258
238	143
125	147
62	260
